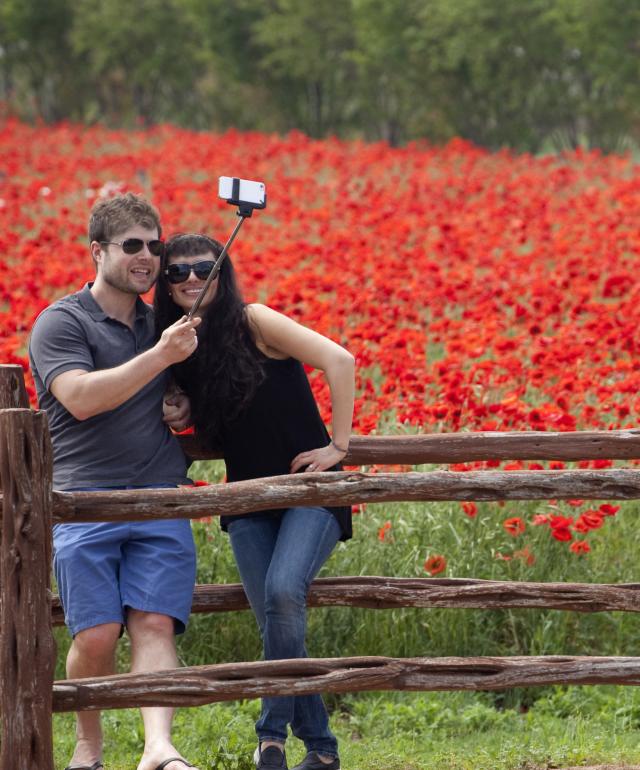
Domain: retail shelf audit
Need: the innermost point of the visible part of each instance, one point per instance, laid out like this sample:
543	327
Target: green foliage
405	731
35	55
536	75
304	56
142	57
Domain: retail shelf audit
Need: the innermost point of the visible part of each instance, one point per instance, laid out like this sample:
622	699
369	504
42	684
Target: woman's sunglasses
135	246
180	271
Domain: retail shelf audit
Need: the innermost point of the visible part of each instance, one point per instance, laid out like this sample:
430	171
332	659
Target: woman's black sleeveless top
281	421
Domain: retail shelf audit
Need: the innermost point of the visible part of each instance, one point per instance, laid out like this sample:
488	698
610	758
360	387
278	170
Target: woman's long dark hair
221	377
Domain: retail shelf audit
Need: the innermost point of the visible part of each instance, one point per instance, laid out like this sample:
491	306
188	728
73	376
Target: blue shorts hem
85	623
179	620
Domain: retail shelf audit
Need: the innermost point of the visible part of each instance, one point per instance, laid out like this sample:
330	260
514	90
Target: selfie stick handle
216	268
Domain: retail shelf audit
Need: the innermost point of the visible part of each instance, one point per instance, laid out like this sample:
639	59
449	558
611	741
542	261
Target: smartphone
242	192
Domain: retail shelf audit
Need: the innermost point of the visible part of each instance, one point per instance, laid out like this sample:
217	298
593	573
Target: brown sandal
162	765
95	766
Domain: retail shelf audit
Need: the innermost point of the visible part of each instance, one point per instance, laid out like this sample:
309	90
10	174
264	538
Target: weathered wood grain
199	685
467	447
373	592
27	648
13	394
379	593
344	488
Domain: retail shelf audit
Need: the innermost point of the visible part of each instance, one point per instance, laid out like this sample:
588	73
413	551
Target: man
101	376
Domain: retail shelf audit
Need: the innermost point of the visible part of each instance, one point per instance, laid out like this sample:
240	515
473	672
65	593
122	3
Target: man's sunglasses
135	246
180	271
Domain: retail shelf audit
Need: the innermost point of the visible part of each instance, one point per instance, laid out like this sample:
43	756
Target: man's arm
85	394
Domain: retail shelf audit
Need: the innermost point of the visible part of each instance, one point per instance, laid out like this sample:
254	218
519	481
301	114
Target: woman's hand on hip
317	459
176	410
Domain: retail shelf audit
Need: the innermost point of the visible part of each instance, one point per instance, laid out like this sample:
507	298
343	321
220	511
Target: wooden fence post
13	394
27	646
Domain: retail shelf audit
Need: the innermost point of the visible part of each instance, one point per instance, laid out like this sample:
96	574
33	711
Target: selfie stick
216	268
244	210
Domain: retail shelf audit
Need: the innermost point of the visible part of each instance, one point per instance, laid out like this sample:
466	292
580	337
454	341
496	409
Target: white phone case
250	192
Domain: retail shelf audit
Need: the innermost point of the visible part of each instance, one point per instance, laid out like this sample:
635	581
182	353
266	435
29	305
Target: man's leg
92	653
153	649
157	576
86	566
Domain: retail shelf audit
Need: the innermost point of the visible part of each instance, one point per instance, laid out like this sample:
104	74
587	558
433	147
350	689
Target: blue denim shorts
102	569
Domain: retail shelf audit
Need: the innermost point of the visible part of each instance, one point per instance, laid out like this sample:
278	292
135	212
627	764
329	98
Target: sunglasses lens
178	273
135	246
156	248
202	269
132	245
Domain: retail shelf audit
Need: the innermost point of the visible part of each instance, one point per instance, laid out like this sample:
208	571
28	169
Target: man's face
128	273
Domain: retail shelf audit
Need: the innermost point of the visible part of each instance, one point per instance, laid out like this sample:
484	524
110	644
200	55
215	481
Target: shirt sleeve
58	344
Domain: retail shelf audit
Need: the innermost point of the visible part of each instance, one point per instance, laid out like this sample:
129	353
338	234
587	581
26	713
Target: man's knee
141	623
97	641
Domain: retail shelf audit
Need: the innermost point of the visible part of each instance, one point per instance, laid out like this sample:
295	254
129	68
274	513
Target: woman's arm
280	336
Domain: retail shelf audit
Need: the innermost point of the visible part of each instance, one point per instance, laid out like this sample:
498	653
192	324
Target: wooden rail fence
28	611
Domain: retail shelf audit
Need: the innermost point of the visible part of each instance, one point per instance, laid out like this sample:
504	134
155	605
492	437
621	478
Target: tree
493	67
601	71
388	75
39	70
305	61
143	57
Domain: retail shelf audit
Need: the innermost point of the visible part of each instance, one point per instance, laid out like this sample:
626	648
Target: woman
251	398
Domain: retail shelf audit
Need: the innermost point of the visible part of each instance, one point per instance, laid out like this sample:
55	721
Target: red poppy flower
526	555
589	520
471	509
384	530
539	519
514	526
580	546
434	565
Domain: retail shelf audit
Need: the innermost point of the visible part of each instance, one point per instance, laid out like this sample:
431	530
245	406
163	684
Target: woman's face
185	291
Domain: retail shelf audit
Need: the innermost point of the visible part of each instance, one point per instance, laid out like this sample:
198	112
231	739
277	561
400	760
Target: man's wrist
159	355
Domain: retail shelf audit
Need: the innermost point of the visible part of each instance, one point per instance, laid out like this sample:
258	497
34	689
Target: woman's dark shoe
313	762
272	758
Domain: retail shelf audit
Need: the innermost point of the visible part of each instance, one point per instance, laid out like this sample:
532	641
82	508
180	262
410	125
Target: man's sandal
95	766
162	765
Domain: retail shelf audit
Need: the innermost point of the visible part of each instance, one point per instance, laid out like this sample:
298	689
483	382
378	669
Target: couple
104	367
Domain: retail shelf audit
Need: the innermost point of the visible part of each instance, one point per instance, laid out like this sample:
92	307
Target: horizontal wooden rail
198	685
385	593
466	447
343	488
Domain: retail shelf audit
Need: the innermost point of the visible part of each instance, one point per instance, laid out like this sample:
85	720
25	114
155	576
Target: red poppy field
478	291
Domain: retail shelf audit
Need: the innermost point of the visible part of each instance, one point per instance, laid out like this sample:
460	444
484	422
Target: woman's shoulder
258	311
261	320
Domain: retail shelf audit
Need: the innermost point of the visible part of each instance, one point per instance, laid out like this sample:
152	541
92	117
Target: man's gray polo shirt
129	445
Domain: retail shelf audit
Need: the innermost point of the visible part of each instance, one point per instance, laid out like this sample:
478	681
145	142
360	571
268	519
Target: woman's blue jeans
278	557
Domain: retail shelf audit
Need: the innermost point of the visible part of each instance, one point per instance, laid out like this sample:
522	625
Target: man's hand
176	410
86	394
179	340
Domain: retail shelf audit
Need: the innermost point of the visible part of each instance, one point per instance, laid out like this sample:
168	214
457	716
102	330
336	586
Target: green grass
407	731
